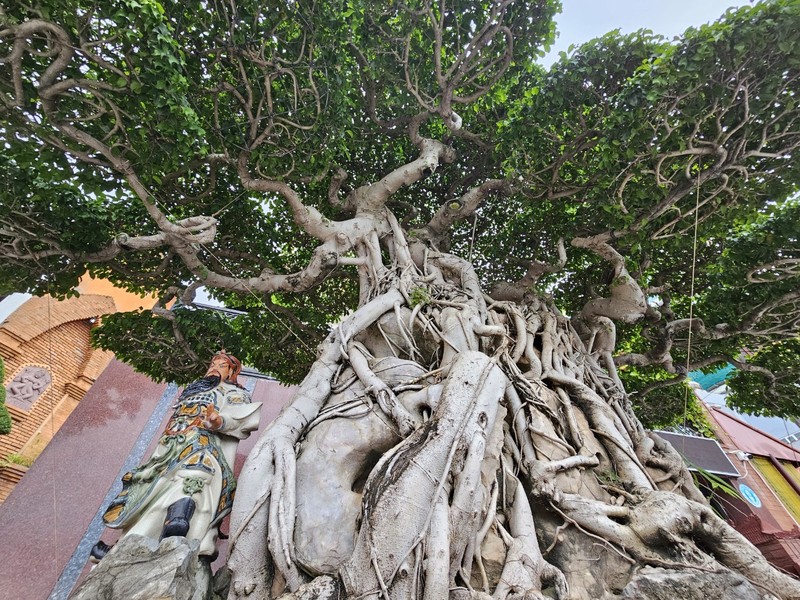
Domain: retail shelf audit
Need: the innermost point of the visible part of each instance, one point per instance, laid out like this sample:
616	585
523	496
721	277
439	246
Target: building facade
767	509
49	366
751	479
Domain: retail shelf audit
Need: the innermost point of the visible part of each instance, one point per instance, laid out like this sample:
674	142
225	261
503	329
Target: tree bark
437	436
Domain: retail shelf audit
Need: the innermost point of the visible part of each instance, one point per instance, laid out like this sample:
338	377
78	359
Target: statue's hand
213	420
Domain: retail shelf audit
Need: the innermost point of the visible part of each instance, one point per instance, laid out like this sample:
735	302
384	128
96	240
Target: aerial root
659	519
429	504
437	552
525	568
357	355
281	518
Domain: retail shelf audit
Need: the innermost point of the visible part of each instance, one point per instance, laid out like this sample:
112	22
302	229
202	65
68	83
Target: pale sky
583	20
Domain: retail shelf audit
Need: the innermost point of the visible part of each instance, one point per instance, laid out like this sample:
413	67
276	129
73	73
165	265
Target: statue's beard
207	383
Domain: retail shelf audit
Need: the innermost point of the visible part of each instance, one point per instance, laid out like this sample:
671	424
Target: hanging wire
691	293
257	297
472	240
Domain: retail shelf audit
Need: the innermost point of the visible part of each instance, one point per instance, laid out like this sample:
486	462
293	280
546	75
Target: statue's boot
99	550
179	514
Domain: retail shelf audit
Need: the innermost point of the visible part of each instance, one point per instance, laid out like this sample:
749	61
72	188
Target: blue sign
749	495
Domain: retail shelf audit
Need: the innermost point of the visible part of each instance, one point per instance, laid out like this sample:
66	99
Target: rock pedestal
140	568
666	584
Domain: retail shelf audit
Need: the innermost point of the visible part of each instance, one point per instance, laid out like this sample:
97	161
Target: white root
419	469
265	468
437	552
603	419
465	505
385	397
690	530
525	568
433	501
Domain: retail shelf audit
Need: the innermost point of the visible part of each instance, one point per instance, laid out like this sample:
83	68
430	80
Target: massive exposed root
456	447
406	497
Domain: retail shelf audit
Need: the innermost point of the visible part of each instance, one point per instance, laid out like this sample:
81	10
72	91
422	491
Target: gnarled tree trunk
447	444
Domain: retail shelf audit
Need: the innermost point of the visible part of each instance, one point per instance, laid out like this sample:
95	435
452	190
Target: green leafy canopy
124	120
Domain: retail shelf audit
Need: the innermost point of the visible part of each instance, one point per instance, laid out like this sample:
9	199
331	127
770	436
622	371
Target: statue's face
220	366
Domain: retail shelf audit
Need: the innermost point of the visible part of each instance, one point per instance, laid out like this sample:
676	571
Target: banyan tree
487	279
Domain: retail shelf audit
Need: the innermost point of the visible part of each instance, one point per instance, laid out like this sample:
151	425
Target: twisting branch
337	181
396	125
308	218
371	198
657	385
516	290
51	90
750	325
641	360
160	310
20	243
475	62
627	302
752	322
438	228
777	270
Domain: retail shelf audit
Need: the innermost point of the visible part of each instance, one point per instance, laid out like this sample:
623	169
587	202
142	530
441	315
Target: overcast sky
583	20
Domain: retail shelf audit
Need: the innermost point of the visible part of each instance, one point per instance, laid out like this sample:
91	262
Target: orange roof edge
125	300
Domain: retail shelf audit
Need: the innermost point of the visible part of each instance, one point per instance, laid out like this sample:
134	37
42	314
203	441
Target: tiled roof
749	439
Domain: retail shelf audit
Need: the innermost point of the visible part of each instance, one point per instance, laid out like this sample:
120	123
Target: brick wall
9	478
54	336
783	554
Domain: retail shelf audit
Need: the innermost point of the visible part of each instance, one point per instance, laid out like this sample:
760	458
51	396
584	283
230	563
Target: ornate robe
192	461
